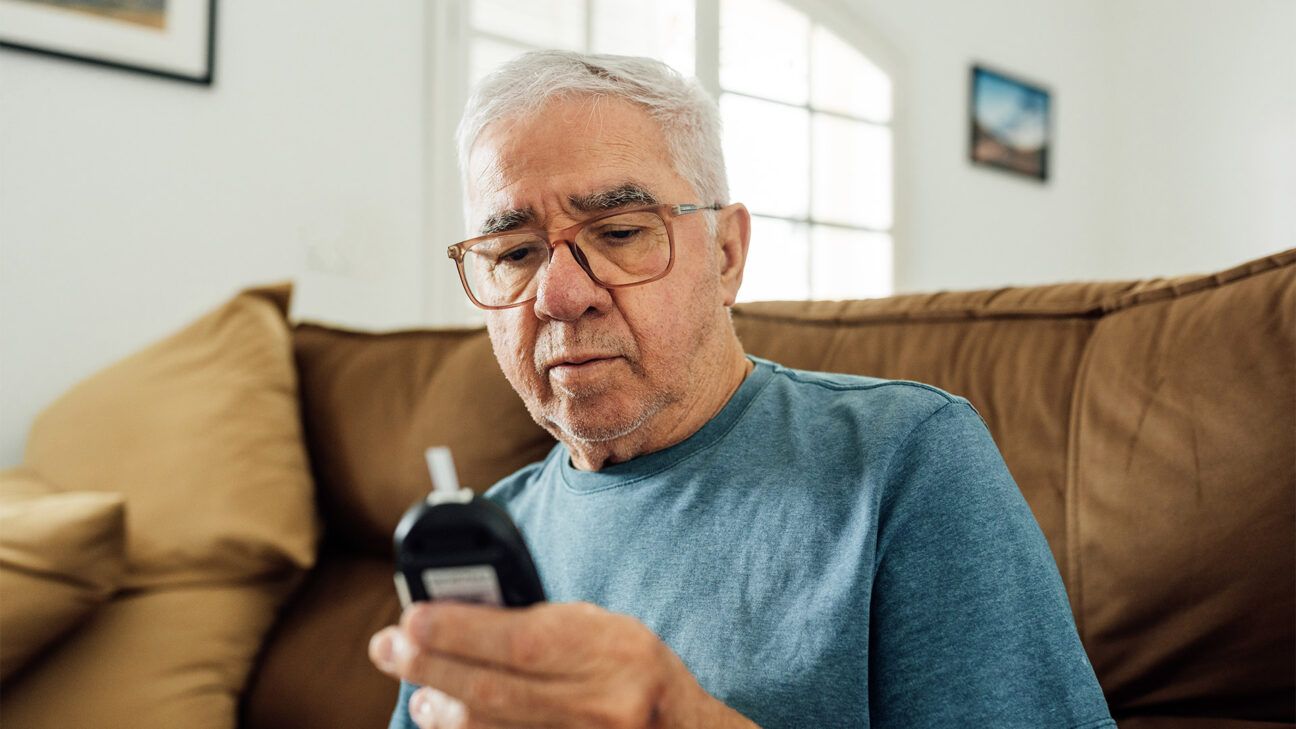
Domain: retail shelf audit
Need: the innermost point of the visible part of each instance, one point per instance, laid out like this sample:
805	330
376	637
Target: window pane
661	30
543	23
764	50
486	54
852	172
843	80
776	262
849	264
767	155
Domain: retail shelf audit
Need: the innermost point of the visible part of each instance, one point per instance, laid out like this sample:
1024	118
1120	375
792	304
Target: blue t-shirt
828	551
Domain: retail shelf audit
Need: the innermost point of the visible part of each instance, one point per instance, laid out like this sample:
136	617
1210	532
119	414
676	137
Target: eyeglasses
617	249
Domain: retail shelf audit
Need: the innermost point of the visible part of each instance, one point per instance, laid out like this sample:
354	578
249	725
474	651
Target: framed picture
1010	122
170	38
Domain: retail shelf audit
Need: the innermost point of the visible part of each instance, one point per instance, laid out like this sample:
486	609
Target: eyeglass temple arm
687	208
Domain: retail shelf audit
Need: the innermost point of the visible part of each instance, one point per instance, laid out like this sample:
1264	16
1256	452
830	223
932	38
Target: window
807	120
501	29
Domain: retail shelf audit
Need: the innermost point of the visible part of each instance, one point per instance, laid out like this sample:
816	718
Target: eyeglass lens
617	250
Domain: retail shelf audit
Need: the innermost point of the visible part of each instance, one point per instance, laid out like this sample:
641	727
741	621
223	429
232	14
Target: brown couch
1151	426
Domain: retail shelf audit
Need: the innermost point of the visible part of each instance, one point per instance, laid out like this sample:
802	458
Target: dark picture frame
172	39
1010	123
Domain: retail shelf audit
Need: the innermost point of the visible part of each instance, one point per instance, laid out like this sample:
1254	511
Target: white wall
1204	134
129	205
966	227
1175	129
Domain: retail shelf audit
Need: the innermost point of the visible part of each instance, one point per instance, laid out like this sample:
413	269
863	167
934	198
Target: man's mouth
574	362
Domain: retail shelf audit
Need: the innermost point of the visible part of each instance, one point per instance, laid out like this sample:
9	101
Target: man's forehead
585	154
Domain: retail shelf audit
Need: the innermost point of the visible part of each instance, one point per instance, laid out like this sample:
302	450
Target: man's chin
596	419
592	430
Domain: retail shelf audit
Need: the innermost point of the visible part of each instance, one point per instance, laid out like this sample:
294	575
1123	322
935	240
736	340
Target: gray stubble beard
657	401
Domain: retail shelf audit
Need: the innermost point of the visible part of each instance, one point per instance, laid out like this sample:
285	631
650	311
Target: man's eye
517	255
514	254
618	235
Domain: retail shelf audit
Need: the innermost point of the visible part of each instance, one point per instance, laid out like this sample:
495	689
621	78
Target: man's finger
520	639
489	693
432	709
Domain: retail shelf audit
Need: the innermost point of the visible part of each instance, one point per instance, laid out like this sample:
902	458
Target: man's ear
733	234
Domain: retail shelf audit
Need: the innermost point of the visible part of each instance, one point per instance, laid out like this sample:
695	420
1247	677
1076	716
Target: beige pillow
201	433
61	556
155	659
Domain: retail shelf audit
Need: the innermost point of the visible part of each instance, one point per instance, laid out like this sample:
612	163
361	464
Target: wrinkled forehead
568	148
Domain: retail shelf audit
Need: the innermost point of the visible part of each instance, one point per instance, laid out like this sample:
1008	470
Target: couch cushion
1183	549
61	556
372	403
151	659
200	433
323	641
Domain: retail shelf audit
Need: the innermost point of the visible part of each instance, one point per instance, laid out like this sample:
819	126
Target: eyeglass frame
666	211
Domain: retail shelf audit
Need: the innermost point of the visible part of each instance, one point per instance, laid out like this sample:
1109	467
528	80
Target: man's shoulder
882	401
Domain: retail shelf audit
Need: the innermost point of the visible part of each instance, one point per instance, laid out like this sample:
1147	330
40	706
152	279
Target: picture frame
1010	123
173	39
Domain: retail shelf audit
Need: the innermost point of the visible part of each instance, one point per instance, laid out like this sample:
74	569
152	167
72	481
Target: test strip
441	469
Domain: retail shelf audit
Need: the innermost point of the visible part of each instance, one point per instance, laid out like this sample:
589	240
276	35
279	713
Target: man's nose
566	292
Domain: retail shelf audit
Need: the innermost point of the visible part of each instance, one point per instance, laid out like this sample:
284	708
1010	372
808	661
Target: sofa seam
1072	484
1119	301
940	317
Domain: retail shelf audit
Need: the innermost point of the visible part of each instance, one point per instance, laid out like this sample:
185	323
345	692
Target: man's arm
553	664
970	623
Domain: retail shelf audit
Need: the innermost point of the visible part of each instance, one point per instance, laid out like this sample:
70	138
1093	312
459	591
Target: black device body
451	546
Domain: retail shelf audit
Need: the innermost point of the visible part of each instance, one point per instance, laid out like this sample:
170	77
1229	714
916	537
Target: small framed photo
169	38
1010	122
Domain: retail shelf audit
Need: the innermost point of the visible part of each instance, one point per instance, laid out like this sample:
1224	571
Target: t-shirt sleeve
970	624
400	715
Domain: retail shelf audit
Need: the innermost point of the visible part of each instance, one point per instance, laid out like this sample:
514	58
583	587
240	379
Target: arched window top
807	117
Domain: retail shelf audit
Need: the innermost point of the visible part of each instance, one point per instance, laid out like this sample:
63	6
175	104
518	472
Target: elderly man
726	542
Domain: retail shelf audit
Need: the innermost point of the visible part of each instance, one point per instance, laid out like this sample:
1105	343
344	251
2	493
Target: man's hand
549	665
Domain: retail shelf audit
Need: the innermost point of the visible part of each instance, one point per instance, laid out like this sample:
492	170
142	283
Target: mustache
556	342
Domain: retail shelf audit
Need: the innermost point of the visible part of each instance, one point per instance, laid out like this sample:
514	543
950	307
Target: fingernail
423	705
387	648
380	649
400	647
438	709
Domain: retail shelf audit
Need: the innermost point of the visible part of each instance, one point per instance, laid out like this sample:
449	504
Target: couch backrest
1150	425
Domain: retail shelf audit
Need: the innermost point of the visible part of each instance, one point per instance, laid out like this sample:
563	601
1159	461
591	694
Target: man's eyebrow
627	193
508	220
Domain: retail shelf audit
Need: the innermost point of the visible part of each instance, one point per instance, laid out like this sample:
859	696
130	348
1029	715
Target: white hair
688	116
